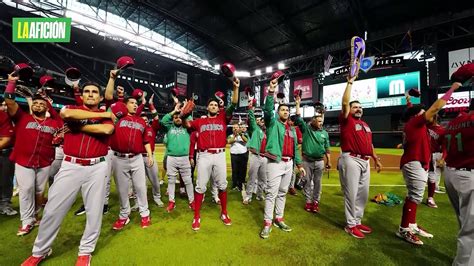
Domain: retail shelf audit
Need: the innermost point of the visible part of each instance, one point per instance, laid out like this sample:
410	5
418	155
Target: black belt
312	159
5	151
125	155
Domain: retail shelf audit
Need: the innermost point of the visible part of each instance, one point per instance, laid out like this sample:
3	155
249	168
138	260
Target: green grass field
315	239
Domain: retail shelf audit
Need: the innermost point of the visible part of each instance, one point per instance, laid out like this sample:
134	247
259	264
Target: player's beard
39	113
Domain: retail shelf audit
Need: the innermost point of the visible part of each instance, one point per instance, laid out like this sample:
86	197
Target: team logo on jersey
358	127
177	131
132	124
211	127
433	134
44	129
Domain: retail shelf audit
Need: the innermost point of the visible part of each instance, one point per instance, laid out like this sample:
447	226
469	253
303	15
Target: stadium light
281	66
244	74
269	69
217	67
258	72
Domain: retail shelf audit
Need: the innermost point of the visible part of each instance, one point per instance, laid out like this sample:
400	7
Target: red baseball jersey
150	134
416	142
288	142
356	136
212	131
82	145
436	133
299	135
34	139
459	139
129	135
6	128
192	144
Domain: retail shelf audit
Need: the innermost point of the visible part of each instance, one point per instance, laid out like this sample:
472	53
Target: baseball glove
187	109
23	91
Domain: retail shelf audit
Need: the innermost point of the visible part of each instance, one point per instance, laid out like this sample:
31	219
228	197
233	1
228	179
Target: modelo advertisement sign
375	92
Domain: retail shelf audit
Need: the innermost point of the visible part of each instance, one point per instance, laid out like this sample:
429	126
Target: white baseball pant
71	179
126	169
278	181
31	182
152	174
179	165
211	165
354	174
257	175
314	173
460	189
415	179
435	175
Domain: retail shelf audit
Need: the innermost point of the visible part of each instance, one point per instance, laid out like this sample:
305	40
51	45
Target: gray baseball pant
354	174
314	173
257	175
415	179
126	169
211	165
181	165
31	182
435	175
108	175
7	171
460	189
152	174
278	181
71	179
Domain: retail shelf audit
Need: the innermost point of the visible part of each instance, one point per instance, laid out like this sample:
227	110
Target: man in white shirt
239	155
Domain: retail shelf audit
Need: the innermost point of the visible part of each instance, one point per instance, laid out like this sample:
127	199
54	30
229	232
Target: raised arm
346	97
438	104
12	106
109	89
235	98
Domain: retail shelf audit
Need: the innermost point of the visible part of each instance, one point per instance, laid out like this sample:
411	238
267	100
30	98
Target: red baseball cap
463	74
46	80
137	93
278	75
24	71
124	62
228	69
297	93
119	109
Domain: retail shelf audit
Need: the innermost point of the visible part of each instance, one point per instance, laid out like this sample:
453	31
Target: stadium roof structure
254	34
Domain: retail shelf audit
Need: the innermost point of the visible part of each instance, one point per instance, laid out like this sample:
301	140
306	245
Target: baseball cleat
260	198
418	230
8	211
120	223
216	200
83	260
24	230
430	202
408	236
146	221
226	219
246	200
159	203
282	225
182	192
196	224
354	231
308	207
105	210
315	207
364	228
439	191
191	205
171	206
80	211
35	260
292	191
266	230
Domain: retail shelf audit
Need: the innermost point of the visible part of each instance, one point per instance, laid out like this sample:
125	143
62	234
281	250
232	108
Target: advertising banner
306	87
460	57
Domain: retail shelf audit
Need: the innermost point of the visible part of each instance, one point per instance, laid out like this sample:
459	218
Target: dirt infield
389	162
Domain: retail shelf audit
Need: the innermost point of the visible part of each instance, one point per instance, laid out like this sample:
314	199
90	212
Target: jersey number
458	141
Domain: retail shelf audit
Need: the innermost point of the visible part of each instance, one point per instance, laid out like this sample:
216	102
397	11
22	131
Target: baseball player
33	152
211	143
83	169
354	164
415	164
152	172
7	168
315	149
459	181
436	133
257	163
281	149
178	161
127	142
299	137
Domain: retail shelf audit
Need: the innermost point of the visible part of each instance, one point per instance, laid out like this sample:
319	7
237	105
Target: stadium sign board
33	30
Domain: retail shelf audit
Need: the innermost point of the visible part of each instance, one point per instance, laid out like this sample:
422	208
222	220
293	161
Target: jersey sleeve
6	127
155	125
192	145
